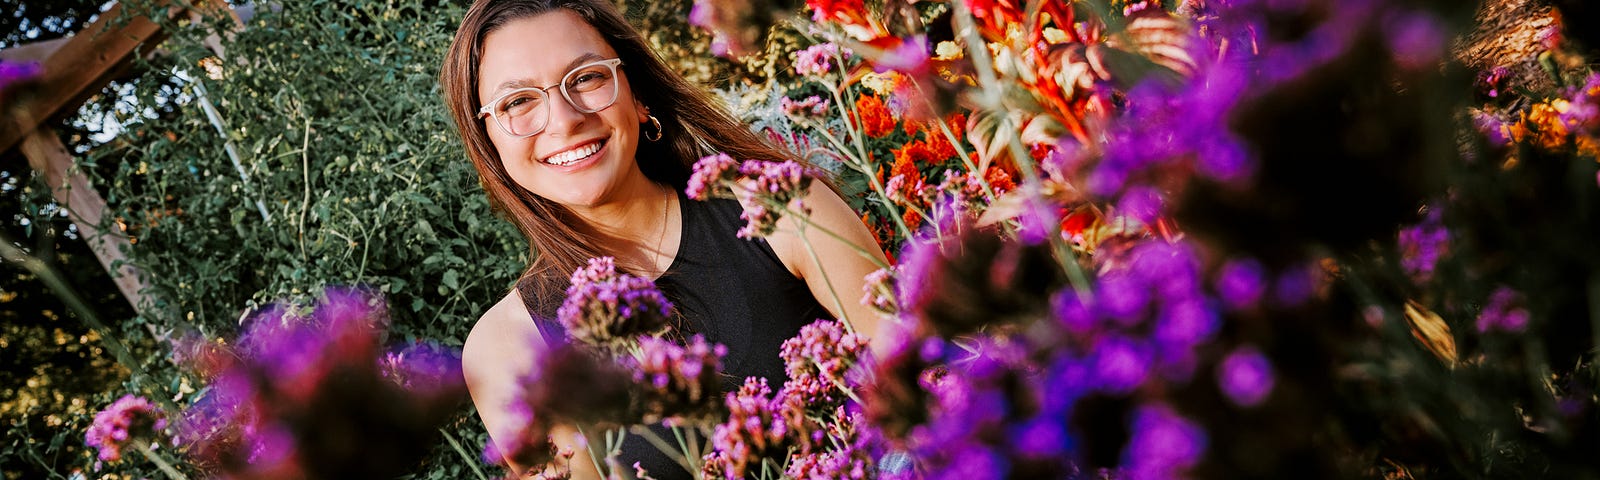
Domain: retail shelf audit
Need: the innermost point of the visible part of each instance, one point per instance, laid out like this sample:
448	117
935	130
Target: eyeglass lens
589	88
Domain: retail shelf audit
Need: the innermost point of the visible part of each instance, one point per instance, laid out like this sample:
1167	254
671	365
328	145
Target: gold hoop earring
659	131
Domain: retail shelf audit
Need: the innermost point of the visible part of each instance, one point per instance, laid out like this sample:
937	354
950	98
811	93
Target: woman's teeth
570	157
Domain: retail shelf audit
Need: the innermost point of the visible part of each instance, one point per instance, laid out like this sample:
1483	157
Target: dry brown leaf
1431	330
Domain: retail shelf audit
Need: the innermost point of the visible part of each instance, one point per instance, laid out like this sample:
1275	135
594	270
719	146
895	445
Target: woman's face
581	160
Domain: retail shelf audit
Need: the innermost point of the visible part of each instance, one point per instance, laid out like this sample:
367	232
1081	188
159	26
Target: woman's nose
563	116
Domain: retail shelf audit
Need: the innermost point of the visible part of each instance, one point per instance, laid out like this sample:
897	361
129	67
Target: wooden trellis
74	69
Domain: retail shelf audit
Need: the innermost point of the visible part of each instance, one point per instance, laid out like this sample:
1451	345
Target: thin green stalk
837	302
587	445
859	162
690	452
470	460
661	445
806	220
305	199
161	463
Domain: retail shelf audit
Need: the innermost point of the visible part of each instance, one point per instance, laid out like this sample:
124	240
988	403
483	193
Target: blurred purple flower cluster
129	419
1503	313
763	188
681	382
609	310
817	60
314	395
1423	244
807	427
1038	383
12	73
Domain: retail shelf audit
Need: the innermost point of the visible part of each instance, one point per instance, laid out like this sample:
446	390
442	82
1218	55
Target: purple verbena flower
301	382
879	291
608	309
1241	283
1245	377
752	434
130	418
818	359
812	105
817	60
1162	444
1423	244
1503	313
681	384
1122	364
1417	39
710	176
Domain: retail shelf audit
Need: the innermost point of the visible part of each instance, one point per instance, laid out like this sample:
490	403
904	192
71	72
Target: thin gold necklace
661	240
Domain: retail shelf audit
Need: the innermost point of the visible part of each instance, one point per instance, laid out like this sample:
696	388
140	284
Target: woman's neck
635	231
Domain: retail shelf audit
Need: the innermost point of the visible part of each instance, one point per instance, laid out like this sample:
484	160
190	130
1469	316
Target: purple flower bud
1246	377
1121	365
1241	284
1162	444
1503	313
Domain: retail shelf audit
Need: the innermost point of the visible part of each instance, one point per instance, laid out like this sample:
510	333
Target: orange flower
876	120
905	166
912	219
999	179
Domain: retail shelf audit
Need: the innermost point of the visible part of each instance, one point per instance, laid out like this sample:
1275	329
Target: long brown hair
692	126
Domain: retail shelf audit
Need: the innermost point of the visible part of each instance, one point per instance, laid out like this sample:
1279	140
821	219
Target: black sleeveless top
734	291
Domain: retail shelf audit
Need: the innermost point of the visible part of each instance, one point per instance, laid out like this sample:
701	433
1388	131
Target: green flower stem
660	444
468	458
857	158
991	100
872	181
689	448
806	219
815	260
961	152
161	463
847	391
305	199
593	458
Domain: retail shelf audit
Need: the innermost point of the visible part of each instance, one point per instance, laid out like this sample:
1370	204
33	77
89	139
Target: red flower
842	11
876	119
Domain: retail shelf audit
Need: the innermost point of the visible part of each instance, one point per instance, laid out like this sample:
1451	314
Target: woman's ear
644	112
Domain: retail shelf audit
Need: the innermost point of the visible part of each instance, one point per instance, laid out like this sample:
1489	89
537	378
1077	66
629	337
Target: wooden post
70	187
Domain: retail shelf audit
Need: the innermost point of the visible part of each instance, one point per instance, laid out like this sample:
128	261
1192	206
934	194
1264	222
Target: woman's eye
518	102
587	78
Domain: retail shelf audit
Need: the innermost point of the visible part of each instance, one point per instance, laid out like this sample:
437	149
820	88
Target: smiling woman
571	89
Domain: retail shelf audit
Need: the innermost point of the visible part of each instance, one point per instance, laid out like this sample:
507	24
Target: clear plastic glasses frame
524	112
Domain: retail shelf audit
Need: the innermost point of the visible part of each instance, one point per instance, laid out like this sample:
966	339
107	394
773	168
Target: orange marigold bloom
905	164
999	179
876	119
912	219
916	153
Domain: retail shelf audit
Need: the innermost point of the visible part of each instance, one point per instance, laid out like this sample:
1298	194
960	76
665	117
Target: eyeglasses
525	111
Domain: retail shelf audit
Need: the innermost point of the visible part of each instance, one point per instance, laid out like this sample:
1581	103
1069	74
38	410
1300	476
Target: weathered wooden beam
80	68
71	189
33	51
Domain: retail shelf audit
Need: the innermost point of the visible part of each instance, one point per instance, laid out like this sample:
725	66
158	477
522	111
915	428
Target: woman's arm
832	265
498	354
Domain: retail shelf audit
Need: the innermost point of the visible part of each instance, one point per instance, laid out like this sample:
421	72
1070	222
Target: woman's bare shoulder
505	332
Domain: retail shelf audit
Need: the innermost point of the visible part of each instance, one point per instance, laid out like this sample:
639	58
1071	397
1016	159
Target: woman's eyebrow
525	83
